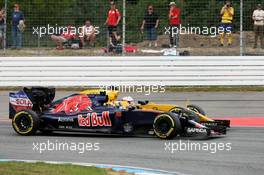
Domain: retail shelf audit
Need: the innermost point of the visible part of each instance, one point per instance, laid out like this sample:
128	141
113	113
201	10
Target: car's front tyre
166	126
197	109
26	122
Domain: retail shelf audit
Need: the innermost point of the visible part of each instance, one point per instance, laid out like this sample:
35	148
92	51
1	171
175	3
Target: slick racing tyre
166	126
26	122
197	109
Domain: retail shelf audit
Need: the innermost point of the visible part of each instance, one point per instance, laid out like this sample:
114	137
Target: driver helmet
128	99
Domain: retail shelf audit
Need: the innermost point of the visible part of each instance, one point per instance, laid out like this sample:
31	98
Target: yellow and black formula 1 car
191	111
192	115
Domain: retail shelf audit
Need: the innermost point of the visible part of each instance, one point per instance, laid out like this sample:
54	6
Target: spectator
258	17
227	14
113	20
17	27
88	33
150	24
2	26
114	45
65	37
174	21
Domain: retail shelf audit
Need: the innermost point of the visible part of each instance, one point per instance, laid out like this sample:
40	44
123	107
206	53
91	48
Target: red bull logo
94	120
74	104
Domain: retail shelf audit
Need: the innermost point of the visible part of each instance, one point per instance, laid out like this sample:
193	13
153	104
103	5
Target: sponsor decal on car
210	124
196	130
65	119
95	120
65	127
20	102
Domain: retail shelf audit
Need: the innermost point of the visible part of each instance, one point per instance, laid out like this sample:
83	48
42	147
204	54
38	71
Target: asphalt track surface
246	156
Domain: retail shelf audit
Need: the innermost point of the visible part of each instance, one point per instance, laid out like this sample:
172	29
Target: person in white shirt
88	33
258	17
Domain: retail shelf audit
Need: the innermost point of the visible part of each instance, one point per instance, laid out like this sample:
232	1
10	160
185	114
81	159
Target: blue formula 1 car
33	109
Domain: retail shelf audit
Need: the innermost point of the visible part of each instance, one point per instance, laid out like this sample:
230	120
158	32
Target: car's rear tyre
197	109
166	126
26	122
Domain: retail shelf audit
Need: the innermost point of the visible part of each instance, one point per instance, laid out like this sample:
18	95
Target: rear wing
18	101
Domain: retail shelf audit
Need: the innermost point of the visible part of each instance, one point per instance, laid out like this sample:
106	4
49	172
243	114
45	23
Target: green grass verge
19	168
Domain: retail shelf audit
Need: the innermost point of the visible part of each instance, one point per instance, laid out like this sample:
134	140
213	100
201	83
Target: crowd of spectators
149	27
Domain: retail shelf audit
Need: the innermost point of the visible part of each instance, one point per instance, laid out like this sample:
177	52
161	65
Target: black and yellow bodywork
174	108
189	111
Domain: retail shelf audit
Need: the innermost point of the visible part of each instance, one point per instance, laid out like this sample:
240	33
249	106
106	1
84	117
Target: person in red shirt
113	20
174	21
64	37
